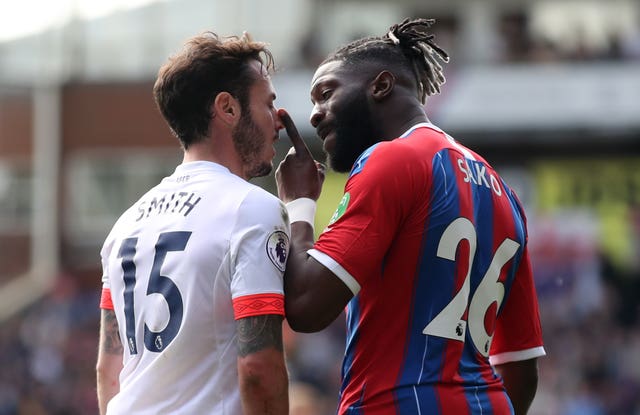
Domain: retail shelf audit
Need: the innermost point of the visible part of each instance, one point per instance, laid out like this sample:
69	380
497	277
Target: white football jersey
198	251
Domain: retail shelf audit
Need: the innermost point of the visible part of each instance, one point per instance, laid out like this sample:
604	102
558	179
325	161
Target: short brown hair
189	81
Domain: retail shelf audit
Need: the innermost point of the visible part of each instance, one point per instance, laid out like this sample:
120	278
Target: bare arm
109	359
314	295
262	374
521	381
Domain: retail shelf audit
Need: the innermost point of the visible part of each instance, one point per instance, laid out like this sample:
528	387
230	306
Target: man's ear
382	85
226	108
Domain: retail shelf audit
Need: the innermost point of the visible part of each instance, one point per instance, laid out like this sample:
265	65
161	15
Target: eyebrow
320	84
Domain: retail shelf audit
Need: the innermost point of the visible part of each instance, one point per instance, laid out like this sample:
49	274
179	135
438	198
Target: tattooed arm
109	359
262	373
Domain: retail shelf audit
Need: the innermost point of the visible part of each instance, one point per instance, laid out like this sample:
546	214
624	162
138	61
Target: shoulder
379	158
390	158
260	206
247	195
258	198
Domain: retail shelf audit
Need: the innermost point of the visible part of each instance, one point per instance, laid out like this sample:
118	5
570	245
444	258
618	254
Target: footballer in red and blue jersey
433	245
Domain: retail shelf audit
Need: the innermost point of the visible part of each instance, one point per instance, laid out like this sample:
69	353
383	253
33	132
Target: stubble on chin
250	143
260	169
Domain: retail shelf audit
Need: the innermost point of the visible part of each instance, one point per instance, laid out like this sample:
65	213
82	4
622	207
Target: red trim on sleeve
105	299
258	305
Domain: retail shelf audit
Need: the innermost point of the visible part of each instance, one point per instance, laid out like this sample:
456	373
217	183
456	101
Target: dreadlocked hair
406	42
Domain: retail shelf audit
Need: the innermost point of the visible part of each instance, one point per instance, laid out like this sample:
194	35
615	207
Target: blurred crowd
590	313
515	39
517	42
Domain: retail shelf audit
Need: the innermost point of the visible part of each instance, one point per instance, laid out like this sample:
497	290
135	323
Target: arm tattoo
259	332
111	336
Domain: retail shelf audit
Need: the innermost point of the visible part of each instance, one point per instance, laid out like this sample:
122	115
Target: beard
249	142
354	132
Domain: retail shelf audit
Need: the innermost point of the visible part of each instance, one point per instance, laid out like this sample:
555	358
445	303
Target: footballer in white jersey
197	252
192	302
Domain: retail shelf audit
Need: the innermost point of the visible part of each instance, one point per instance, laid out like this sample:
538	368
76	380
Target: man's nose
316	116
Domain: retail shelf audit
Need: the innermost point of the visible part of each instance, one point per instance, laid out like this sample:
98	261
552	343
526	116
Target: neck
227	157
410	122
405	117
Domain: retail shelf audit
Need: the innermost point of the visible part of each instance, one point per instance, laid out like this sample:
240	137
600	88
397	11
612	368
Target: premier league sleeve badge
278	249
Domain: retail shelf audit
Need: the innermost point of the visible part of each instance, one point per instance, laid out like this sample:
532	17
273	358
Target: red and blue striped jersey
433	244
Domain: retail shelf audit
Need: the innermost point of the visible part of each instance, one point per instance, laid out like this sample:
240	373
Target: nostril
315	119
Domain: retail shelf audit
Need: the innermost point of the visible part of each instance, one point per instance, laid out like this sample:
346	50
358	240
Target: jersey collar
420	125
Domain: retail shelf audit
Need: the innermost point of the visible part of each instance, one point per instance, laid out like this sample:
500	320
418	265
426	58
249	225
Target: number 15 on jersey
158	284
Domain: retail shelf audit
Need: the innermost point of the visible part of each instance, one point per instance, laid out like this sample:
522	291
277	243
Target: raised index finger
298	143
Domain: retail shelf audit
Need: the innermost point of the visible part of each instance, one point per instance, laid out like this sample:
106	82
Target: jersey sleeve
259	250
106	302
377	197
518	333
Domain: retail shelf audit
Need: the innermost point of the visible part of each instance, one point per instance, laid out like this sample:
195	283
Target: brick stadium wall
93	116
112	115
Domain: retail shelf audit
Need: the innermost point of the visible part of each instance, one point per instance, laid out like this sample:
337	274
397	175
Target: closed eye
322	91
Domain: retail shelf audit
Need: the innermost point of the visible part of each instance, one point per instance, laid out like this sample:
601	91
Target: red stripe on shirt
258	305
451	394
105	299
